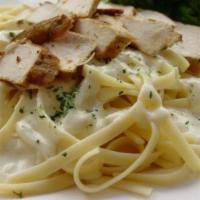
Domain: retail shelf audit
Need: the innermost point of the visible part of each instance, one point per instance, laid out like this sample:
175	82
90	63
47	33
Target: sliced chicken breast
150	36
153	15
189	46
72	50
79	8
28	65
112	9
110	42
43	12
46	30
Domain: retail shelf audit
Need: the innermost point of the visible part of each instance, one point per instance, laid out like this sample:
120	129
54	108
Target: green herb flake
93	116
121	93
38	141
11	34
18	194
64	154
186	123
150	94
42	116
66	103
124	71
18	59
159	72
21	110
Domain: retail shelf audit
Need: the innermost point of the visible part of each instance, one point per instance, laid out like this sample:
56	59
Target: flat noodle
131	123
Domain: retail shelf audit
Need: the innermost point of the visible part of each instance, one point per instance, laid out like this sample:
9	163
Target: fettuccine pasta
130	123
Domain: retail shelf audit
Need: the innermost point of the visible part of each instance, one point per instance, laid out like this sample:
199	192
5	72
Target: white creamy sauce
37	140
16	156
188	120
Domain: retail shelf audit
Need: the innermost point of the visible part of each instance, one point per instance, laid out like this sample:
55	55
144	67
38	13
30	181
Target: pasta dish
95	97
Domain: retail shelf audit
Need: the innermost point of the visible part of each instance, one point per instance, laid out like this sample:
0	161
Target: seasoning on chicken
79	8
110	42
73	50
189	46
46	30
28	65
150	36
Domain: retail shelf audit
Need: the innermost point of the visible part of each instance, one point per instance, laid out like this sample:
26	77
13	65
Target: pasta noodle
129	124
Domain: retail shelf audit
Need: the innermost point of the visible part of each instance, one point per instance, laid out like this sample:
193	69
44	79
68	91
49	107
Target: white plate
190	191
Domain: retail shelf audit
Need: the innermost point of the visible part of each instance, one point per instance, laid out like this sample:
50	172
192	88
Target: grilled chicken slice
189	46
113	9
110	42
150	36
43	12
28	65
153	15
46	30
73	50
79	8
109	11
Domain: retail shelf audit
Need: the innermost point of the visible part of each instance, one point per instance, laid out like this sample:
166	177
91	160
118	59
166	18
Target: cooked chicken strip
73	50
79	8
110	41
43	12
27	65
189	46
105	8
109	11
150	36
46	30
153	15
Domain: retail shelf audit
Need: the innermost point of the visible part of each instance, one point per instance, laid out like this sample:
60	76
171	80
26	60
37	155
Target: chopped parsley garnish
66	103
121	93
42	116
64	154
150	94
186	123
11	34
38	141
18	194
124	71
159	72
93	116
21	110
18	59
